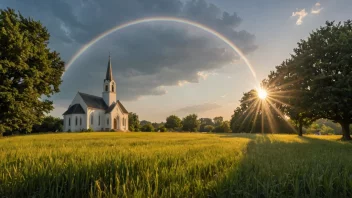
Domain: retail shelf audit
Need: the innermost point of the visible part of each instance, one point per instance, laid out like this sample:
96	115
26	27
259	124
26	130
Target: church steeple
109	70
109	93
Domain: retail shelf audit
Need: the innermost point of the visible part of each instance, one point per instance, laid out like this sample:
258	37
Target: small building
98	113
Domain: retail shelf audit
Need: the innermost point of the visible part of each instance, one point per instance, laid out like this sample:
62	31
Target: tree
288	89
218	120
205	122
255	115
173	122
133	122
147	128
190	123
209	128
49	124
29	71
324	62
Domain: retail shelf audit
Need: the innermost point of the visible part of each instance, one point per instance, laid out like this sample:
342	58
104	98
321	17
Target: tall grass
174	165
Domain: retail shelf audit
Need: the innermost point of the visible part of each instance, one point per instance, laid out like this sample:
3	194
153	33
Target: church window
112	87
107	121
99	121
76	120
106	88
69	121
80	121
91	118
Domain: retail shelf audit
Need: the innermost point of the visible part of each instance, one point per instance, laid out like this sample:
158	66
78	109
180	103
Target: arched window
91	119
106	88
107	121
69	121
80	121
112	87
99	121
76	120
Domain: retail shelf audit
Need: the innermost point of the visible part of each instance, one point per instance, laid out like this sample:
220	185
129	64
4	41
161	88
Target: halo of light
164	19
262	93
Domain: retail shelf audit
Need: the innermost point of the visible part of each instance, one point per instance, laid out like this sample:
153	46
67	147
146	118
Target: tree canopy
173	122
191	123
133	122
29	71
318	77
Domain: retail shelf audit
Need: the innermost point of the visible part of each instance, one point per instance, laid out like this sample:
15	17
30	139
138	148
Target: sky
164	68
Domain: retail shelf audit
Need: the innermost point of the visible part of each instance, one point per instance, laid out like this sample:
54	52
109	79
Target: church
98	113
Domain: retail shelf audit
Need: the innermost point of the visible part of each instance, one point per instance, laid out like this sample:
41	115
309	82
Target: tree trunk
345	131
300	127
300	132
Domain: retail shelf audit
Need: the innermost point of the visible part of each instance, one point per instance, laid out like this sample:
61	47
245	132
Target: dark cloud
199	108
147	57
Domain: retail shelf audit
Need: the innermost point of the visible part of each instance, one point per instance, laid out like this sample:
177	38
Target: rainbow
163	19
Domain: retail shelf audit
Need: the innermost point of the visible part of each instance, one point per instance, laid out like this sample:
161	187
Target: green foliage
190	123
319	75
29	71
163	164
49	124
133	122
218	121
208	128
205	122
89	130
148	127
162	129
173	122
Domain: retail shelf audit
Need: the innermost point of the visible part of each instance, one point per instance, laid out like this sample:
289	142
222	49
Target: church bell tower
109	93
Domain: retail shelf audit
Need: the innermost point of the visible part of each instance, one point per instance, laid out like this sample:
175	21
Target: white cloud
301	14
316	8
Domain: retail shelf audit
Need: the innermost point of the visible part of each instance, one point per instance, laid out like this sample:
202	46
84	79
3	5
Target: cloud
300	14
316	8
199	108
147	57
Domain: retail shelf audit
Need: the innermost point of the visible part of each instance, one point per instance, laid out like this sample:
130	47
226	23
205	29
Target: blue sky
164	68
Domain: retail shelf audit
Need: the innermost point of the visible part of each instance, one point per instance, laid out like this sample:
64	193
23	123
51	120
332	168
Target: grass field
174	165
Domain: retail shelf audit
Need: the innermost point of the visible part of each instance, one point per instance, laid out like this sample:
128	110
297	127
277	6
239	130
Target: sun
262	94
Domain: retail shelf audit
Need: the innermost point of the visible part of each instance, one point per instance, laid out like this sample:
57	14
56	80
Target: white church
98	113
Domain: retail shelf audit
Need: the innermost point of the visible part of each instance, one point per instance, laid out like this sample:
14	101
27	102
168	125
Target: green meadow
174	165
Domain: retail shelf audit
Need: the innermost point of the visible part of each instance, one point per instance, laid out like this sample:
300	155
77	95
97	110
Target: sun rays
262	110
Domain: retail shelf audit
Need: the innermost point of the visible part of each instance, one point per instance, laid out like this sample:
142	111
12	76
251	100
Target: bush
90	130
162	129
147	128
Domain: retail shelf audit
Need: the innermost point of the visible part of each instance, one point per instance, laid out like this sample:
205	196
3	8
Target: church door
115	124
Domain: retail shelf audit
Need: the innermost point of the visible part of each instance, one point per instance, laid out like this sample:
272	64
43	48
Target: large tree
288	91
190	123
133	122
29	71
324	60
173	122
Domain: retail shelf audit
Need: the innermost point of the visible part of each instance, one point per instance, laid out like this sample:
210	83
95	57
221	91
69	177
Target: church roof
93	101
74	109
112	106
109	71
123	109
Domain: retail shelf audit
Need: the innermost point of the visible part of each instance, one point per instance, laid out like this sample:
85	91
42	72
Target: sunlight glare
262	94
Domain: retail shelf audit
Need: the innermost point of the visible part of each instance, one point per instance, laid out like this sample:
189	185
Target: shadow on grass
302	167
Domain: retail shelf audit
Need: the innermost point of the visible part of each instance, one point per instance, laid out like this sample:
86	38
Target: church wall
117	113
71	125
96	125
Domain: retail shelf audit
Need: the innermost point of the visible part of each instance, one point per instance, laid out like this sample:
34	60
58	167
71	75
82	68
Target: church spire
109	70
